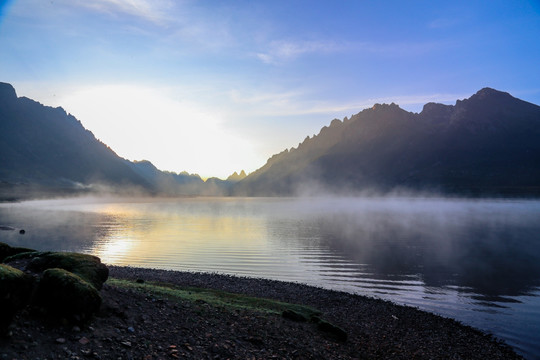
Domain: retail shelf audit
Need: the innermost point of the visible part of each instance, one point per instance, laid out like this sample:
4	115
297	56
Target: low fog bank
213	187
25	192
489	246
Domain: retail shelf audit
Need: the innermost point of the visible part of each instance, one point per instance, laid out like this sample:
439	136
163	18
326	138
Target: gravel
136	325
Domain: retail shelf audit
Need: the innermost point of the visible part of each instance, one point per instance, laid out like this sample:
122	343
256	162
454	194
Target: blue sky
212	87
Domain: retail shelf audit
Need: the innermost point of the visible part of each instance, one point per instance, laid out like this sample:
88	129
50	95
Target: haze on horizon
216	87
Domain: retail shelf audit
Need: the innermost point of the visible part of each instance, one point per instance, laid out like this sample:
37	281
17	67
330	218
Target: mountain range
488	144
44	150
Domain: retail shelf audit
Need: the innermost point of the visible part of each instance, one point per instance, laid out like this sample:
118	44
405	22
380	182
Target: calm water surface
475	261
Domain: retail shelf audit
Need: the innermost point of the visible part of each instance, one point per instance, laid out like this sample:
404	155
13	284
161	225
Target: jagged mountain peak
236	176
7	92
488	143
490	92
487	97
384	106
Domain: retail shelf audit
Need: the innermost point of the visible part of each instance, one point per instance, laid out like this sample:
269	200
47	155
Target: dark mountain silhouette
487	144
46	145
45	149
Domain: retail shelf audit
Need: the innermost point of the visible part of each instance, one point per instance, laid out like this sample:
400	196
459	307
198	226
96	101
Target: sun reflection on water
142	235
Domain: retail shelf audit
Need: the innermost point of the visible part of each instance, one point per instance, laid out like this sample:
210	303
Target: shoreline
361	316
135	322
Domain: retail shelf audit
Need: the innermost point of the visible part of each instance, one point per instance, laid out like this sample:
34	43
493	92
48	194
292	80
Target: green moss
25	255
7	251
88	267
15	290
63	293
216	297
8	273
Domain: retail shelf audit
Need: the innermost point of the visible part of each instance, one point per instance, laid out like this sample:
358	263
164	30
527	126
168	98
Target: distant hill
488	144
44	149
168	183
236	176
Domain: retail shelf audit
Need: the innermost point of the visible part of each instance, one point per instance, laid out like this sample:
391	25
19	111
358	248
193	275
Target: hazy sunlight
146	124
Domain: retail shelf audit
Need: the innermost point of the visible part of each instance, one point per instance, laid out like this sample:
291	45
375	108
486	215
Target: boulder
15	290
7	251
64	294
86	266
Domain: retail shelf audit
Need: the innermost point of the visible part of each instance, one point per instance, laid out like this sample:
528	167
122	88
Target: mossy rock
334	331
15	290
64	294
27	255
7	251
294	315
86	266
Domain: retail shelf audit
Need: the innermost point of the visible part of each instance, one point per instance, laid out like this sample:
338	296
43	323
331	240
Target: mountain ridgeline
488	144
45	151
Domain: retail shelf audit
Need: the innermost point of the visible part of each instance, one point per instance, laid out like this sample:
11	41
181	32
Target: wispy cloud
179	22
280	51
155	11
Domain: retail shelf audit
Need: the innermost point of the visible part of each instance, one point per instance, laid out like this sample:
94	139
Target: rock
65	294
8	251
60	341
84	340
15	288
86	266
293	315
331	329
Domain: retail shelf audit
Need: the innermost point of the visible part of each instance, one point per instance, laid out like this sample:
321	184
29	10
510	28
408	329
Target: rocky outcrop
61	285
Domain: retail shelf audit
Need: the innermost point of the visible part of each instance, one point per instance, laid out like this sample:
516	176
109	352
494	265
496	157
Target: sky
212	87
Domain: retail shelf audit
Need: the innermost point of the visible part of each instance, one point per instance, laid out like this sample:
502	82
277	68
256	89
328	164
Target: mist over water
474	260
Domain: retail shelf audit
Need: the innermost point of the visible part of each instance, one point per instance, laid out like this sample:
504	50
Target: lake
477	261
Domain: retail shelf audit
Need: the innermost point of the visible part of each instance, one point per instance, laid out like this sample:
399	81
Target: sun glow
174	133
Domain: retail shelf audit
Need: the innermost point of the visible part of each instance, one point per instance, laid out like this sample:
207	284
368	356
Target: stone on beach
61	284
67	295
88	267
15	288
